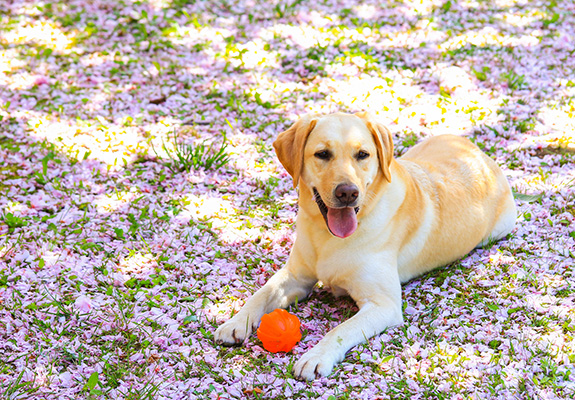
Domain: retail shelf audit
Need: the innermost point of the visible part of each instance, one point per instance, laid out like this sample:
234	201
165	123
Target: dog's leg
373	317
279	292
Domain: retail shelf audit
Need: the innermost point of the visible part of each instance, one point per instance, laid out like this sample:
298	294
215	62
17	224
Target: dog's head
337	156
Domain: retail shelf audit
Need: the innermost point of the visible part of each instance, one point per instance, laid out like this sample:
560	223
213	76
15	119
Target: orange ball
279	331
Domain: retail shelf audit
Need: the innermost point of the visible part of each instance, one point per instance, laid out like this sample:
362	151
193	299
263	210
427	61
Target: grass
116	268
183	157
513	80
13	221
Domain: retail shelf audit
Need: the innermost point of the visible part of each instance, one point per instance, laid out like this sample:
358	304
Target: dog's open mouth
341	222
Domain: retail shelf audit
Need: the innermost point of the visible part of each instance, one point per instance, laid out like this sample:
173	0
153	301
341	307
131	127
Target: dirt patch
564	151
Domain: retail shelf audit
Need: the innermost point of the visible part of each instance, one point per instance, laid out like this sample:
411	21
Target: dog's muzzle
341	221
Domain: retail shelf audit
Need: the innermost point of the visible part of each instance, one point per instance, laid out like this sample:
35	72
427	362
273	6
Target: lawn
141	201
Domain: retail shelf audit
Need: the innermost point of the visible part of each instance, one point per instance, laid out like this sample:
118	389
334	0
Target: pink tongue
342	222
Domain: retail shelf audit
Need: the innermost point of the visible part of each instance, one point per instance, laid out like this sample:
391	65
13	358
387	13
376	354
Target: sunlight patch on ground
42	33
137	264
488	36
94	212
107	203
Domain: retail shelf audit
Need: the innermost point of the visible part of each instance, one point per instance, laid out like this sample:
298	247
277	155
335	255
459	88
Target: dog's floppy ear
383	141
290	144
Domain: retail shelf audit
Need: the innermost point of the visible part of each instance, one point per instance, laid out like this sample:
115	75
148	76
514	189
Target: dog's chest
337	272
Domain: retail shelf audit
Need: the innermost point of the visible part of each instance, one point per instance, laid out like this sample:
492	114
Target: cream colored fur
426	209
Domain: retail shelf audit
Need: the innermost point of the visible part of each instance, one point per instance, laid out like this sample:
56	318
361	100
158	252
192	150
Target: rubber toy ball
279	331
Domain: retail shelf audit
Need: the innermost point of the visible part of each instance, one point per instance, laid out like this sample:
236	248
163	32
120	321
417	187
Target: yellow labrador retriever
367	223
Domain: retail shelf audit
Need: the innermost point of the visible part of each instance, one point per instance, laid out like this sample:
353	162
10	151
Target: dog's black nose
346	194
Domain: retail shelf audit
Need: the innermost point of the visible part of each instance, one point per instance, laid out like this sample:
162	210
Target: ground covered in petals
141	202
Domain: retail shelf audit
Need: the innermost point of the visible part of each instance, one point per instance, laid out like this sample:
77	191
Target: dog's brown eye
323	155
362	155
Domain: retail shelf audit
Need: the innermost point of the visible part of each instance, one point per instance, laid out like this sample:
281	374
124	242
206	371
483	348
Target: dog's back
471	198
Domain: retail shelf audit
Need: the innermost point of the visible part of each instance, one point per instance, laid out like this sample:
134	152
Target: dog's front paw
233	332
314	363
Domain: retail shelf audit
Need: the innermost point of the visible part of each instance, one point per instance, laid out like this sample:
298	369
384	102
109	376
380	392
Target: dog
368	222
